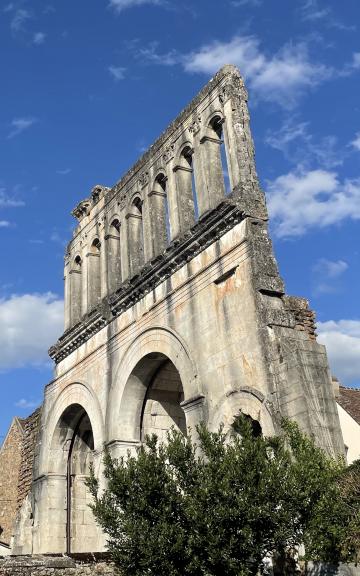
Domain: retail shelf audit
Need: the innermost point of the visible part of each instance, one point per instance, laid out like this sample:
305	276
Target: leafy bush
224	504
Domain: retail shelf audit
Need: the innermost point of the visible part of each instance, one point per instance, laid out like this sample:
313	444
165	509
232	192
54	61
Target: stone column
194	412
74	296
94	278
240	148
135	242
214	191
185	195
157	204
67	296
124	249
173	202
113	254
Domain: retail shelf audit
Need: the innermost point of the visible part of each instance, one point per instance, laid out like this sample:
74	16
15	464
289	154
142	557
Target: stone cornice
206	231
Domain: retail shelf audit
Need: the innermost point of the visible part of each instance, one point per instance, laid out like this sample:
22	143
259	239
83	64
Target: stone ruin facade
175	312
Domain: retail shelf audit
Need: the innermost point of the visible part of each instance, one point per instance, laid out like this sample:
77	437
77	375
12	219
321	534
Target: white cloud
120	5
356	60
21	16
327	275
55	237
356	142
301	200
64	171
281	77
117	72
30	323
312	11
240	3
342	341
7	202
331	268
27	404
19	125
5	224
300	147
39	38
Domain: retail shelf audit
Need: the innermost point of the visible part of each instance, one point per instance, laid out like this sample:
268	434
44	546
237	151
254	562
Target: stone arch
250	402
75	393
139	363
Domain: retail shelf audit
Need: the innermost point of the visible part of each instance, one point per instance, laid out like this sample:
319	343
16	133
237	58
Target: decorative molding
181	250
169	153
143	179
195	126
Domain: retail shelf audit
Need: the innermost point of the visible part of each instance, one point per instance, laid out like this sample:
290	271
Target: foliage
224	504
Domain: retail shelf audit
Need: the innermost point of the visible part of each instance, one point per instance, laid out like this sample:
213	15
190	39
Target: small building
348	403
10	463
16	462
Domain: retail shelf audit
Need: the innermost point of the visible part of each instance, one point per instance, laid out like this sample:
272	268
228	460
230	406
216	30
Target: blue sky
87	86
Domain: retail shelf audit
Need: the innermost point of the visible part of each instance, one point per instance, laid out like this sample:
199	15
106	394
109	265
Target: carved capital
143	179
169	153
195	125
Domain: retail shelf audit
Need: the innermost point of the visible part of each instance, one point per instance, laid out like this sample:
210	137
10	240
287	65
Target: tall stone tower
174	313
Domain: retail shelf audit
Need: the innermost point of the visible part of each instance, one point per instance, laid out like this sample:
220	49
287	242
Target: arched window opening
160	222
71	454
254	424
75	290
94	277
217	124
135	235
162	405
114	255
78	262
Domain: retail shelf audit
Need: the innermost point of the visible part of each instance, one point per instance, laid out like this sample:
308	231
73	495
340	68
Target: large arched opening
71	453
161	409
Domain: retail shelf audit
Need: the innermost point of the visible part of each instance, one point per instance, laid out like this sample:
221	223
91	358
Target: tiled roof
349	399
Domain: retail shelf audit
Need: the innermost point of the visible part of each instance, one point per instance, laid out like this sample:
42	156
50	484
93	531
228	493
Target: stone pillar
94	275
194	409
67	292
184	192
75	292
84	282
240	148
157	204
208	169
135	242
173	202
104	289
124	250
113	254
146	231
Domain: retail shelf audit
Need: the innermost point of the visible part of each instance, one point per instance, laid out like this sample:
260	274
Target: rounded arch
74	393
139	363
135	202
250	402
95	245
215	117
186	144
77	260
160	178
114	225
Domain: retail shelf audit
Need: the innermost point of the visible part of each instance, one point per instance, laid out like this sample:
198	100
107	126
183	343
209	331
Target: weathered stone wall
31	426
171	324
56	566
91	565
10	462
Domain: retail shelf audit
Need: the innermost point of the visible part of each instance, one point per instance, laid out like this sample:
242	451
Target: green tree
222	505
